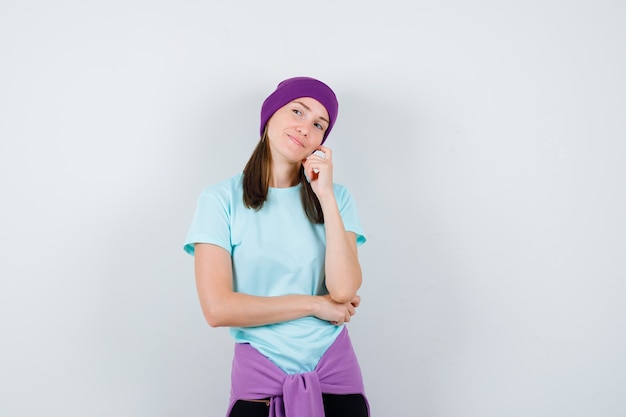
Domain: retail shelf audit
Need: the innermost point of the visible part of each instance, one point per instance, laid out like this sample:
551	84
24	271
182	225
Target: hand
336	313
319	171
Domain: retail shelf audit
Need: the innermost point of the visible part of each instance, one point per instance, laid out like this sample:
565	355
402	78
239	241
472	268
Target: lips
296	141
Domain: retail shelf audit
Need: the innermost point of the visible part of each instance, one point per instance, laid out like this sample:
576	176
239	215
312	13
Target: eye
297	111
319	126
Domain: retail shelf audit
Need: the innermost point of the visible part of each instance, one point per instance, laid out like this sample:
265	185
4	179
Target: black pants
351	405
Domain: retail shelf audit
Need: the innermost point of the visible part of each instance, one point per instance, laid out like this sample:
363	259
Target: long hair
257	175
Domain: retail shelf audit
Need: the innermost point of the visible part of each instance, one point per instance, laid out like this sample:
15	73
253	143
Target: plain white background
484	143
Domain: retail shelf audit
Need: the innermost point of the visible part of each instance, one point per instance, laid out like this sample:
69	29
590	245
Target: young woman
276	260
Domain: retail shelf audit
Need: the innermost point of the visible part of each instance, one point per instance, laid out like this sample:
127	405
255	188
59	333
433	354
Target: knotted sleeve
302	395
295	395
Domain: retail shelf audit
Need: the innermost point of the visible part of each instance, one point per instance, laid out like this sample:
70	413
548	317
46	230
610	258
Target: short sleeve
349	214
211	221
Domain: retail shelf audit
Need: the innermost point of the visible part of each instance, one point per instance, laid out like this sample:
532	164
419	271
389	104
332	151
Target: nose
303	130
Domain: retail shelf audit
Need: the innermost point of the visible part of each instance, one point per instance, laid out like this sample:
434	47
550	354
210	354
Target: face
297	129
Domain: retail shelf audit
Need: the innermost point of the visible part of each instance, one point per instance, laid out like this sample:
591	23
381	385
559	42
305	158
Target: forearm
222	306
242	310
343	271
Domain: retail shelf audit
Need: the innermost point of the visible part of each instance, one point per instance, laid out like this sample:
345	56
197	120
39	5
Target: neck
285	175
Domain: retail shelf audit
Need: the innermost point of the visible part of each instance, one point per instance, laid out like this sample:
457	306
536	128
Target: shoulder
345	200
341	191
224	193
224	189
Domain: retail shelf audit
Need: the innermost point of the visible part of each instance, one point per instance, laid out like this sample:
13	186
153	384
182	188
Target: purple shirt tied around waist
296	395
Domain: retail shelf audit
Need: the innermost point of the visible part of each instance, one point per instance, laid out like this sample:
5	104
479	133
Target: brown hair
257	175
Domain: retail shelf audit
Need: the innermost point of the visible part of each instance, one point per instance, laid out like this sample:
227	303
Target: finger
313	161
319	160
307	165
318	153
328	153
356	301
312	170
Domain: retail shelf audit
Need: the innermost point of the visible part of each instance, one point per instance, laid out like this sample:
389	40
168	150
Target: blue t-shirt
275	251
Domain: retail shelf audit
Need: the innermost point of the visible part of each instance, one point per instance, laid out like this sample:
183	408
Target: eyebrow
309	109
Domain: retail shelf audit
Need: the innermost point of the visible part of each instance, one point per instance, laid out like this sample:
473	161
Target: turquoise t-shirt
275	251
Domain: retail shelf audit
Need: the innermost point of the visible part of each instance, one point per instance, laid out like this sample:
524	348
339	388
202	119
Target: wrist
314	305
327	199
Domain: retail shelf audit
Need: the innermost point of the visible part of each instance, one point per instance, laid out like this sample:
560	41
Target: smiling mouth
296	141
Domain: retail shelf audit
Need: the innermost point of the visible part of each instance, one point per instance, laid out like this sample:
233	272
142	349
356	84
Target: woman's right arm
222	306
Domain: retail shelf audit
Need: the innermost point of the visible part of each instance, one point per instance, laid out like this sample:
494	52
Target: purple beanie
293	88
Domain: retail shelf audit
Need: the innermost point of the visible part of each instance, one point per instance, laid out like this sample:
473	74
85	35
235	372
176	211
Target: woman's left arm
343	271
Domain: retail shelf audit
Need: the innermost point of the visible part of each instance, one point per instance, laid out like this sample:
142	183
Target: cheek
311	149
272	131
318	140
272	125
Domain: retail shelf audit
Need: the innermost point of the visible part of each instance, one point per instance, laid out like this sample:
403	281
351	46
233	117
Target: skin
295	131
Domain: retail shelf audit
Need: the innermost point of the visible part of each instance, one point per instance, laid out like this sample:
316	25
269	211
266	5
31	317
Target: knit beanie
293	88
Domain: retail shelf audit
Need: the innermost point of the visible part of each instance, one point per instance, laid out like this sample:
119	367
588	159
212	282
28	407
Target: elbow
344	292
213	317
212	322
342	296
219	311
